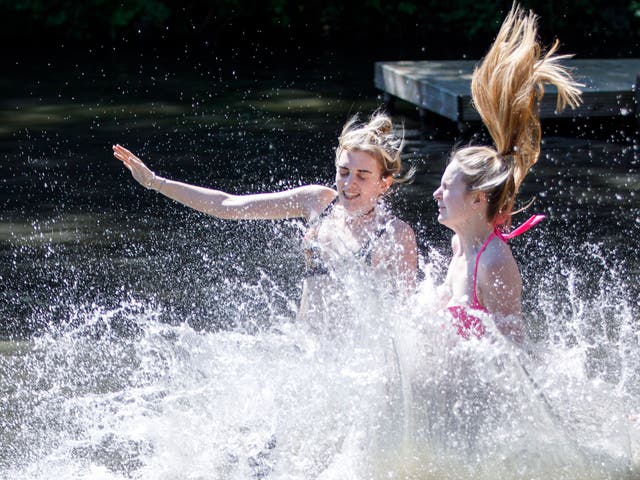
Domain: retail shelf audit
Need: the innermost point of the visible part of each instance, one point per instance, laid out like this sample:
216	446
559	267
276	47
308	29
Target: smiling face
456	204
359	181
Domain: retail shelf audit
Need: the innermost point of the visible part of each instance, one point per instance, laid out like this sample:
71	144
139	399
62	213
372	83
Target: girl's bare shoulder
497	260
400	229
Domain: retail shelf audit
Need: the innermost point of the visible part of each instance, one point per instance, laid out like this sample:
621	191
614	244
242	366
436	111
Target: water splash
389	392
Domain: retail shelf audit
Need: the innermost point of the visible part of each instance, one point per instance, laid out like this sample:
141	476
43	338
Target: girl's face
359	181
455	201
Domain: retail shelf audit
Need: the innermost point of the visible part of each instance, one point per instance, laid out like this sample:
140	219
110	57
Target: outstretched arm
298	202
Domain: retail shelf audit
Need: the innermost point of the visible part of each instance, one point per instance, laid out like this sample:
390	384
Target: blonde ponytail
506	89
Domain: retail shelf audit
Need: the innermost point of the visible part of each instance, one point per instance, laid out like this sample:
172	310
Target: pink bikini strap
476	303
531	222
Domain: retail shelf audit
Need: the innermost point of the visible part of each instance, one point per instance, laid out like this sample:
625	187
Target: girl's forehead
357	159
452	171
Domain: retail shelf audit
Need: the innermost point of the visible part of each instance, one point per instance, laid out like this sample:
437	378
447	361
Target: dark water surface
77	232
123	315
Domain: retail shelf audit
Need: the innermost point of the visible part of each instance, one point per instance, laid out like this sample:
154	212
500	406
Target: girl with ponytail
478	189
348	225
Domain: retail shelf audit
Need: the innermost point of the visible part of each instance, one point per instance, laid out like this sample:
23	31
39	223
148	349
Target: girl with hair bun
478	189
348	225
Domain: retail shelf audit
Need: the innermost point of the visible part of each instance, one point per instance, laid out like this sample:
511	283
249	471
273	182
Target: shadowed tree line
426	28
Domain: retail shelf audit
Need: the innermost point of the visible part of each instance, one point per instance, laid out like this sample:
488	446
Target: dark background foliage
391	28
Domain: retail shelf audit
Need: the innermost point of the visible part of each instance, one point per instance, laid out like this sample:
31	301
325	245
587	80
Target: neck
360	221
472	236
364	215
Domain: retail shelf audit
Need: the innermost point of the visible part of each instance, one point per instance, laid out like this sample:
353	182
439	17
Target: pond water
143	340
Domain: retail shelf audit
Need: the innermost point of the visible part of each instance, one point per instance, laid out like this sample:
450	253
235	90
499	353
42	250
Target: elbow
227	208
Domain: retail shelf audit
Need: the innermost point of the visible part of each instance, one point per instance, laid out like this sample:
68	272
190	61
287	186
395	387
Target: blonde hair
506	89
377	138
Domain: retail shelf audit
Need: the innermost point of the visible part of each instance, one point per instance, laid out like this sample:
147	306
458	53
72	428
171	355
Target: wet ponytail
377	138
506	89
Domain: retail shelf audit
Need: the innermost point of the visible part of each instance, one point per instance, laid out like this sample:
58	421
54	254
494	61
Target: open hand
138	169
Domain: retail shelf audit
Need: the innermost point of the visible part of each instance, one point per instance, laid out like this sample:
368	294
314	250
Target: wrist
149	185
160	181
155	183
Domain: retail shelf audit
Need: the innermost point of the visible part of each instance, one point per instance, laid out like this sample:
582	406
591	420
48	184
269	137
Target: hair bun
377	138
381	123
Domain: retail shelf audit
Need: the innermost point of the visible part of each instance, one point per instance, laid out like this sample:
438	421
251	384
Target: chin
445	223
353	210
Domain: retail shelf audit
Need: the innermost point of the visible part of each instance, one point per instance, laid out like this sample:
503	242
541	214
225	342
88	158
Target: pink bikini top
465	323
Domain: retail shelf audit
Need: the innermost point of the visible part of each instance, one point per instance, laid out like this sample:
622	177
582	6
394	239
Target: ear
386	183
479	199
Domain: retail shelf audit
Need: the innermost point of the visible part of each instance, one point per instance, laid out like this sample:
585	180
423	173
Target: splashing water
392	393
159	401
200	373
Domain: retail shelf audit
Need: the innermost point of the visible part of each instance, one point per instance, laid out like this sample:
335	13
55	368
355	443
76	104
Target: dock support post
388	101
636	87
464	131
422	115
636	137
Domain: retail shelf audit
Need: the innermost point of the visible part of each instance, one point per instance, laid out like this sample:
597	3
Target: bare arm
401	255
297	202
500	291
408	261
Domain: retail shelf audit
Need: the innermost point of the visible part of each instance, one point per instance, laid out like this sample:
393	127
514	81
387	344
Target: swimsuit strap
531	222
327	210
476	303
313	225
367	248
315	265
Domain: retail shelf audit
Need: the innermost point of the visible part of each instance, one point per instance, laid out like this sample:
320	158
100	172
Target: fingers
125	156
120	150
138	169
120	153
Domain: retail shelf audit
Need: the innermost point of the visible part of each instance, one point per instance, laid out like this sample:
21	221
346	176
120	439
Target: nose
348	180
437	194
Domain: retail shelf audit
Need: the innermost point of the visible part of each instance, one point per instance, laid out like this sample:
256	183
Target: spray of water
382	390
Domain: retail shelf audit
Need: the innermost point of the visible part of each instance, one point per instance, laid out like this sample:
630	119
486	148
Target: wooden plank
444	87
435	86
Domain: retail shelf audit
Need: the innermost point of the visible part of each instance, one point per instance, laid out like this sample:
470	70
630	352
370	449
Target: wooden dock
444	87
